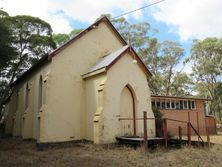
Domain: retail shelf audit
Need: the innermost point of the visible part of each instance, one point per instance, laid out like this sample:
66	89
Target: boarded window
17	101
26	96
40	93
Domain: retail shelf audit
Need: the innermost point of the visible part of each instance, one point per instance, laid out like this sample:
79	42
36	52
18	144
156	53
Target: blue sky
163	34
177	20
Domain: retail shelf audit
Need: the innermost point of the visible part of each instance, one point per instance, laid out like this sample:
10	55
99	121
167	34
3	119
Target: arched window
17	101
40	98
26	96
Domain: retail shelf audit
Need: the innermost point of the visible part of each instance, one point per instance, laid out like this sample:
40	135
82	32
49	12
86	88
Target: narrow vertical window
158	103
168	104
189	104
177	105
153	104
185	104
17	101
163	104
173	105
193	105
40	93
181	105
26	96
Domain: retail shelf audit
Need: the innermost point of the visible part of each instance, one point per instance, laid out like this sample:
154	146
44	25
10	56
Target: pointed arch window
40	97
17	101
26	96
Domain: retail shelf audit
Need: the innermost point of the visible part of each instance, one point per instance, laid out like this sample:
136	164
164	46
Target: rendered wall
21	122
123	73
92	100
65	115
9	113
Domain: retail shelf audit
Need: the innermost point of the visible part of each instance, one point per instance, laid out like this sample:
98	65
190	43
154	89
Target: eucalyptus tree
30	39
207	67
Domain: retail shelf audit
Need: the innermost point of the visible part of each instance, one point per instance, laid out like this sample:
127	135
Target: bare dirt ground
17	152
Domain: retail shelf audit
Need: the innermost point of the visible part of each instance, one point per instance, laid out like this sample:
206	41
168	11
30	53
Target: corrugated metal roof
107	60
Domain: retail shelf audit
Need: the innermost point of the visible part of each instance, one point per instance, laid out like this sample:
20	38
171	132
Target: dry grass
16	152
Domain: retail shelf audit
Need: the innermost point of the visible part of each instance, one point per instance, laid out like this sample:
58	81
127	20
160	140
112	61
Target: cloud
59	12
191	18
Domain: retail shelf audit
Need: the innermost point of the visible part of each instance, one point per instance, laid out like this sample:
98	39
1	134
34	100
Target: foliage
207	68
162	59
7	52
158	115
60	39
30	38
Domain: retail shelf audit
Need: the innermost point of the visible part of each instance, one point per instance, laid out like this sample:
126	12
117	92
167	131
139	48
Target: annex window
173	105
185	105
168	104
181	105
158	103
153	104
177	105
26	96
189	104
193	105
163	104
40	98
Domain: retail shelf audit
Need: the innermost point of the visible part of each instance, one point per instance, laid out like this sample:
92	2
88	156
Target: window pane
153	104
193	105
185	104
158	103
163	104
189	104
168	104
181	104
177	105
173	105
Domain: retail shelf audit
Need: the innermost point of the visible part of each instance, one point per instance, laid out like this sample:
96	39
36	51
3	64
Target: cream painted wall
123	73
9	120
66	104
72	103
24	122
91	87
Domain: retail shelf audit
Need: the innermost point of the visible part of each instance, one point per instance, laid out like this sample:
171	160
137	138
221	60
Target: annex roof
178	97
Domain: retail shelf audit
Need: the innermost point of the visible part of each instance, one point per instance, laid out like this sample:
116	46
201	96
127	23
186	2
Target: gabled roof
107	61
47	58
